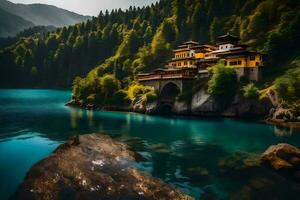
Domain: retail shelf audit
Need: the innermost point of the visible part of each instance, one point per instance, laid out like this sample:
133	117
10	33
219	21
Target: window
232	63
185	63
225	63
252	57
239	62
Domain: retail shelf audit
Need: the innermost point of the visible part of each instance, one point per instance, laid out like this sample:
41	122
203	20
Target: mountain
124	43
11	24
40	14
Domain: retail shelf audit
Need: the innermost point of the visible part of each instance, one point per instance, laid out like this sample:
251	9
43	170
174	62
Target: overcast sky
89	7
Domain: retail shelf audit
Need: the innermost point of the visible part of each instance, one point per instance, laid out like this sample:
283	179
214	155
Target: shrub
91	98
109	85
120	98
151	96
137	90
251	91
288	86
223	83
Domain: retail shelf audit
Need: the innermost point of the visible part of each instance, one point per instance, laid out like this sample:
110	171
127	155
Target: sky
89	7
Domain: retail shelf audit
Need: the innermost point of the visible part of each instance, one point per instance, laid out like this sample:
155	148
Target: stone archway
167	97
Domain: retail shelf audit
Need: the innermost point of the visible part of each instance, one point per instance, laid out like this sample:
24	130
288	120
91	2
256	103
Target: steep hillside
124	43
41	14
11	24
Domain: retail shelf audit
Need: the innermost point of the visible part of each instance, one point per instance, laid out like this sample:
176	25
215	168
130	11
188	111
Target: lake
34	122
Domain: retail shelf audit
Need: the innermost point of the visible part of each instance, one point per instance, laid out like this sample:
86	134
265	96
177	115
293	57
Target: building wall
256	62
245	61
182	54
182	63
199	55
238	62
240	72
252	73
226	47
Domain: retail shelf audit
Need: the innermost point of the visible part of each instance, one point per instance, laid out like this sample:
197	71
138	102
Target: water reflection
184	152
281	131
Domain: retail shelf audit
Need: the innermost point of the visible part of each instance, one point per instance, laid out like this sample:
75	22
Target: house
192	60
246	63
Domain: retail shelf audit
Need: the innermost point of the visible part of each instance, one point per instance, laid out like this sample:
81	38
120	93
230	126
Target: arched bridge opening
167	98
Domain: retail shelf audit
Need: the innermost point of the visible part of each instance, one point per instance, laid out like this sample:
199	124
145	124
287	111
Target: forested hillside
28	32
124	43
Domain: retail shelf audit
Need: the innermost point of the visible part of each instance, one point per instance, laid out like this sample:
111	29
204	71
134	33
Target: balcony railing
165	76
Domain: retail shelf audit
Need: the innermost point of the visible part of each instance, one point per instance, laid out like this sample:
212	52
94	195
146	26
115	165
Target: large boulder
282	157
180	107
255	181
203	104
245	107
92	167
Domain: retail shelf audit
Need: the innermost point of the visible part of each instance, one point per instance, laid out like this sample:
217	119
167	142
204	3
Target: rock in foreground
92	167
283	157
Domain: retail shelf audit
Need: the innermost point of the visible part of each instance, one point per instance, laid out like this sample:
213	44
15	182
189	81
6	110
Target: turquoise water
34	122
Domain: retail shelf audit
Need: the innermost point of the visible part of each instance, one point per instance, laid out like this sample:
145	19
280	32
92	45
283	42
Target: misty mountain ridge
35	15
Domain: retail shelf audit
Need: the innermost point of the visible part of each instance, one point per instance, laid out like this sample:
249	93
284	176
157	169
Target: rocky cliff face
92	167
202	104
283	113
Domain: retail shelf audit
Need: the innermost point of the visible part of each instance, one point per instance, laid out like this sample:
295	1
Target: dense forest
121	43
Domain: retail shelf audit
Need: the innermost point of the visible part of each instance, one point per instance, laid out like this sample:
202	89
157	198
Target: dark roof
235	52
209	46
191	42
227	38
181	49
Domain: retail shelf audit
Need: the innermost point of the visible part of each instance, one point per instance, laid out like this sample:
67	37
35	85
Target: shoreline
295	125
265	120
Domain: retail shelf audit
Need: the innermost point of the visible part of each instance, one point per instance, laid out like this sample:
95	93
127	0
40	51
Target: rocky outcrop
204	104
285	115
92	167
181	108
283	158
255	180
245	107
92	106
282	113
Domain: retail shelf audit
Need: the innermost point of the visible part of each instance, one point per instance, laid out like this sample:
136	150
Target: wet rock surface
254	180
283	158
92	167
